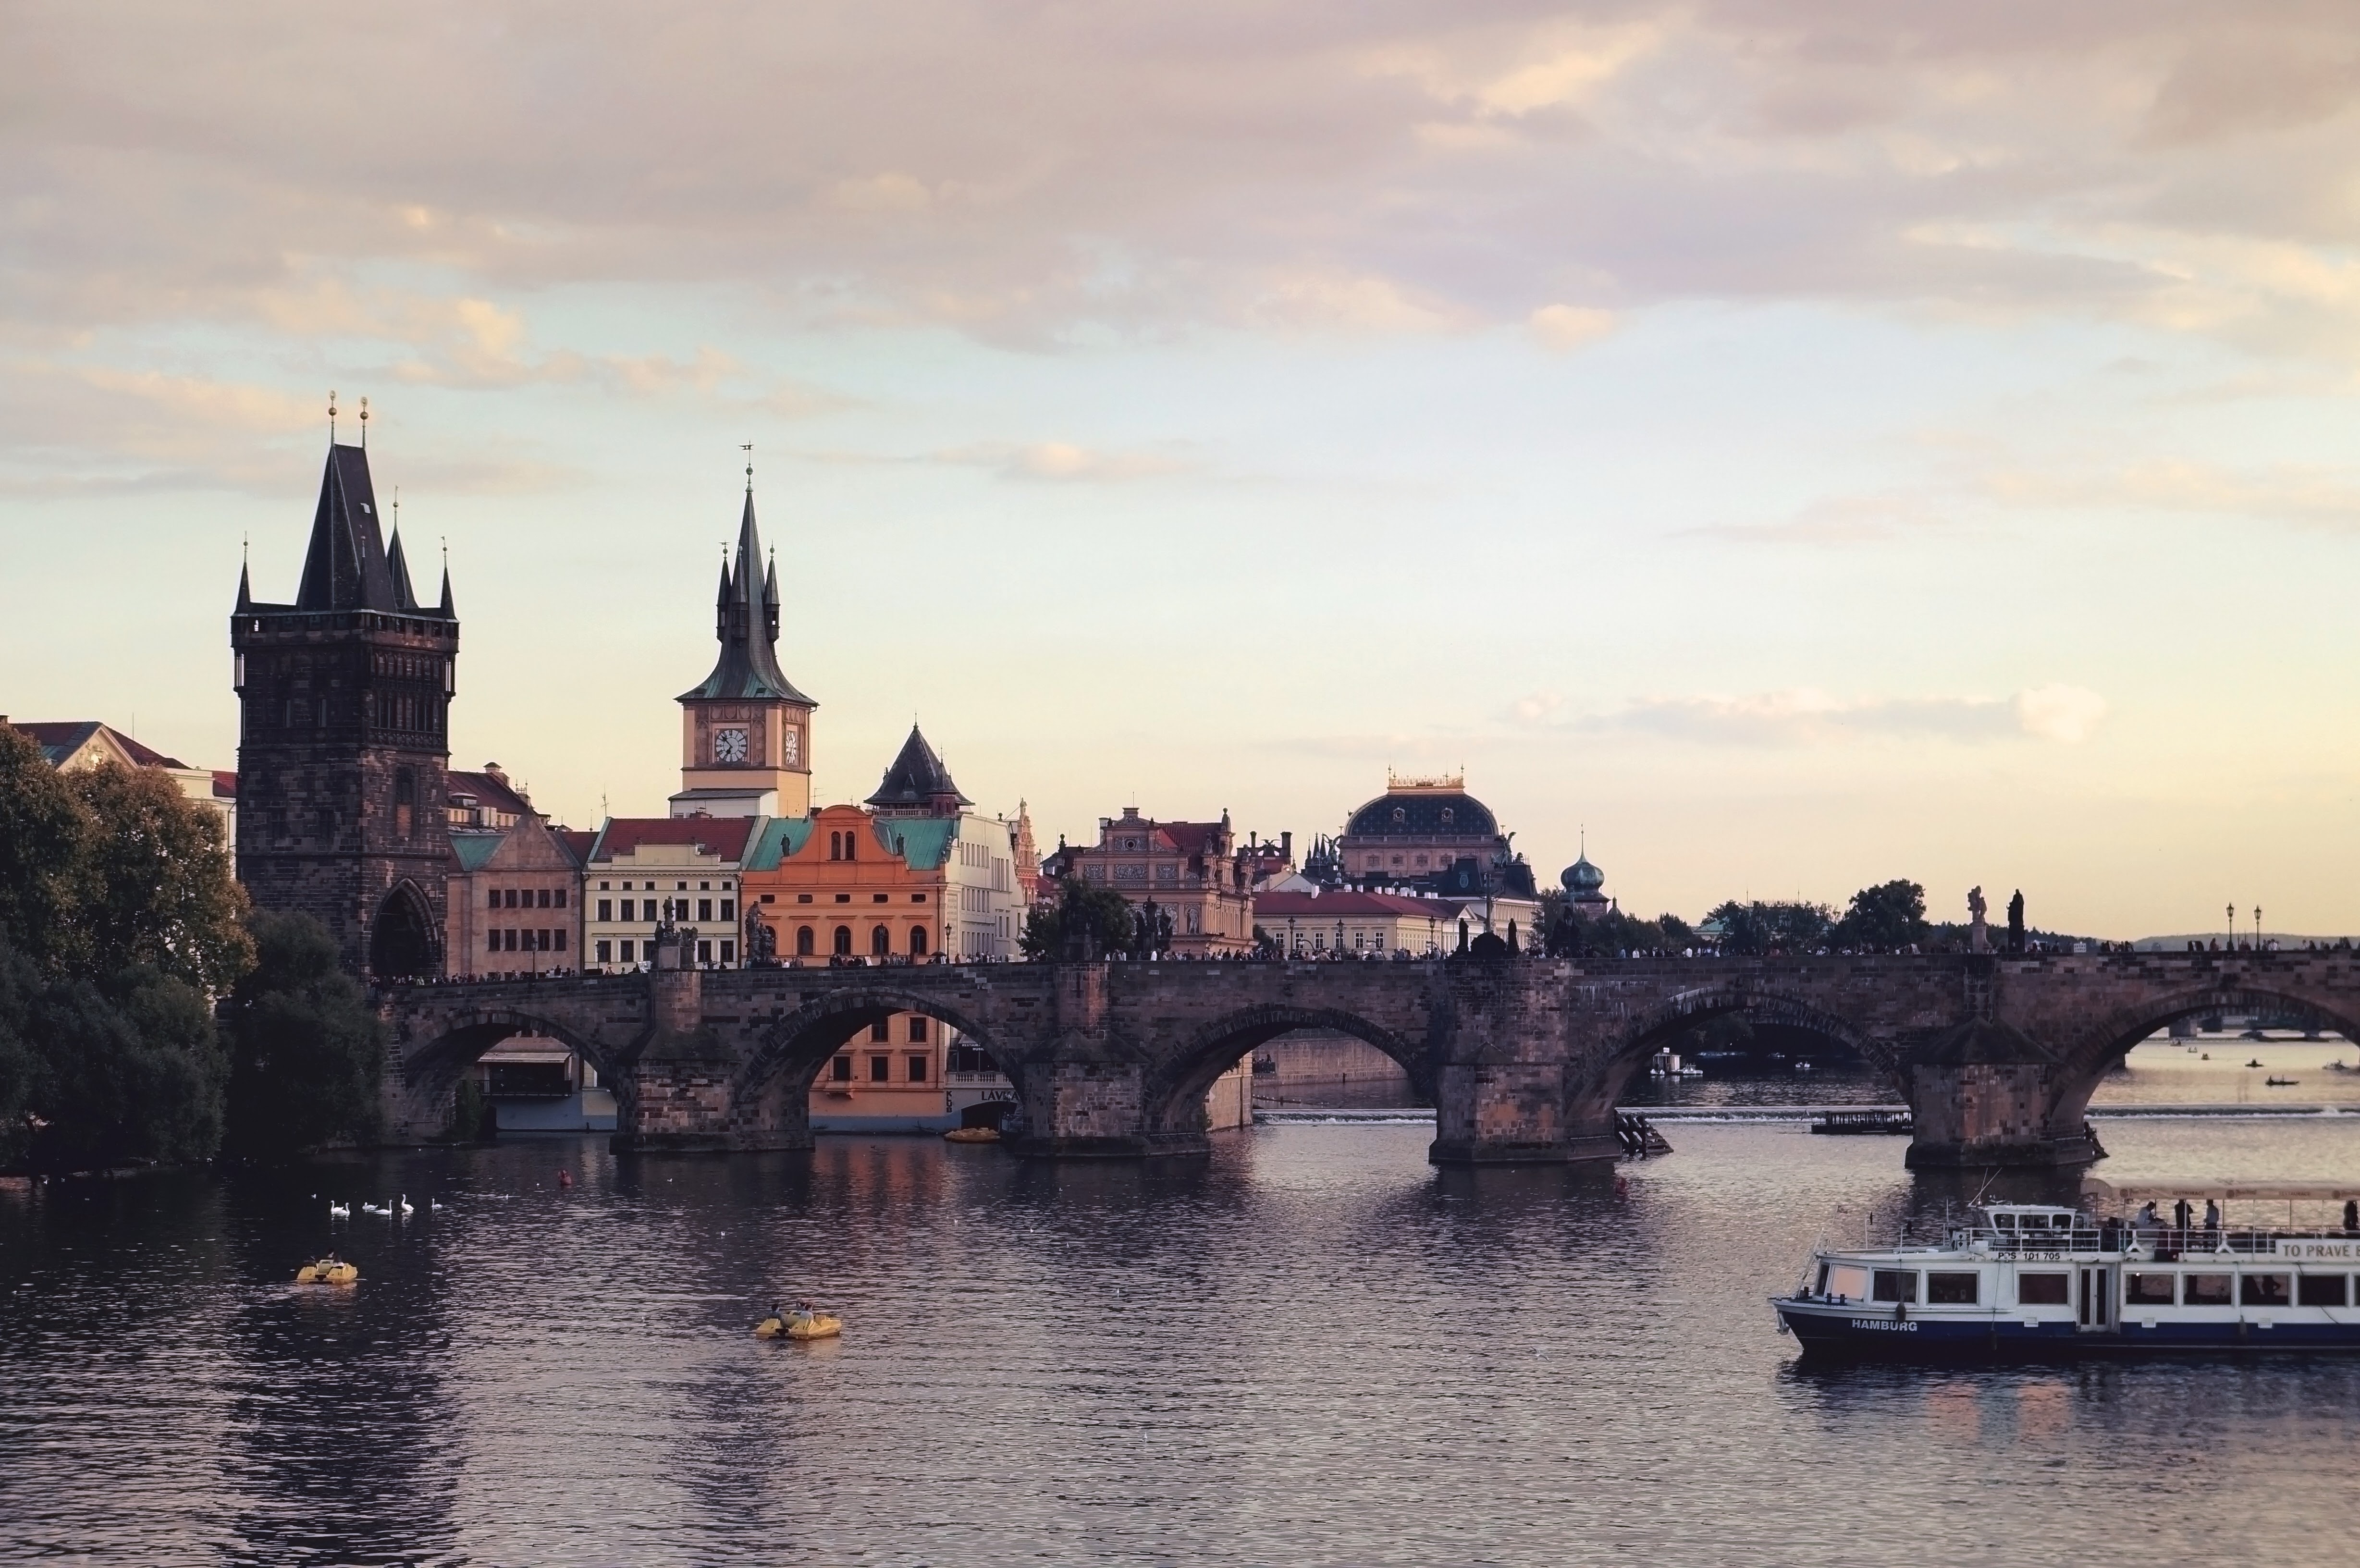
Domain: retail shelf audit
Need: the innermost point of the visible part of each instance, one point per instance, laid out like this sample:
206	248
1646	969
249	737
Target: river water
1311	1347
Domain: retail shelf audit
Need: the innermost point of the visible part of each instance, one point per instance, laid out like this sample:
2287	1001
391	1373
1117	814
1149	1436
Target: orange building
911	877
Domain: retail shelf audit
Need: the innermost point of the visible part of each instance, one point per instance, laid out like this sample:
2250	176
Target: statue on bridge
2016	923
1979	935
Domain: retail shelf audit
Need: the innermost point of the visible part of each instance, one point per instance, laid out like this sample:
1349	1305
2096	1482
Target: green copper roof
924	842
475	849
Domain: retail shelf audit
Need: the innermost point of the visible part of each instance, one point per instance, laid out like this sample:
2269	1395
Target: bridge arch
1592	1101
1172	1094
2087	1060
431	1063
770	1096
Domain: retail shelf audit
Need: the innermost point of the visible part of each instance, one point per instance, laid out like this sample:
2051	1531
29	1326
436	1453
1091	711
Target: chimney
1286	845
491	771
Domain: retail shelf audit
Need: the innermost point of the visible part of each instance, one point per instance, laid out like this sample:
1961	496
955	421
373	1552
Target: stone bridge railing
1524	1058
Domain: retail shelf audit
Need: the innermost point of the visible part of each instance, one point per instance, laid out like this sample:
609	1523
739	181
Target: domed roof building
1431	834
1585	886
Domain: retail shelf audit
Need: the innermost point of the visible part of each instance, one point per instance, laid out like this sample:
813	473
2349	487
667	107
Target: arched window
836	846
844	942
1449	816
880	942
1400	814
405	800
851	846
803	942
917	941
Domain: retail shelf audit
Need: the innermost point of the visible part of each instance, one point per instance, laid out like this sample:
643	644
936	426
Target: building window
840	1068
917	1069
843	898
800	899
844	942
627	947
804	946
917	898
606	908
603	887
882	1030
881	897
605	951
546	939
705	886
704	908
1400	815
561	939
917	1029
1449	816
917	941
881	1069
851	849
541	898
880	942
729	909
728	953
492	899
705	952
405	790
836	846
492	944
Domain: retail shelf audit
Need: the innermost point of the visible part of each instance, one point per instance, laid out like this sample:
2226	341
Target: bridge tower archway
769	1096
1172	1094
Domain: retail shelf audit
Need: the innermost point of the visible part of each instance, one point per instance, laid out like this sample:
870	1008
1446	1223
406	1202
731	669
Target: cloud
1836	520
1062	463
1568	327
1398	169
1809	717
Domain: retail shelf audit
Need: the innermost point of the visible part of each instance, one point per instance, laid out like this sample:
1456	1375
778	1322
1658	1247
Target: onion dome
1581	878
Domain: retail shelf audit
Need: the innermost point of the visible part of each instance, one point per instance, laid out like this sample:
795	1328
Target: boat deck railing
2161	1243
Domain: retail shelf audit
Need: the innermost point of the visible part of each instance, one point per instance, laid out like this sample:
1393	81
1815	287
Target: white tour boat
2037	1279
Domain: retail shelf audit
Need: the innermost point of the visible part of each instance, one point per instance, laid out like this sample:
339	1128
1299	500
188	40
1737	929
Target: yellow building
1327	922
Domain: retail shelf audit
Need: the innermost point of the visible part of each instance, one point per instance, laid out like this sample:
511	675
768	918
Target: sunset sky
1807	443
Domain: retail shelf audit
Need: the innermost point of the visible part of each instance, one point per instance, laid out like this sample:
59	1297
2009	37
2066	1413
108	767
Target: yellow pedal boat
972	1134
818	1325
327	1271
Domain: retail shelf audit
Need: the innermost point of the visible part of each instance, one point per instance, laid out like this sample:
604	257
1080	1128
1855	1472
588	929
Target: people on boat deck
2180	1215
804	1311
2211	1216
2351	1216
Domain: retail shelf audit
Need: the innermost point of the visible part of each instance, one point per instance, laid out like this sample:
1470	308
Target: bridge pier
1986	1094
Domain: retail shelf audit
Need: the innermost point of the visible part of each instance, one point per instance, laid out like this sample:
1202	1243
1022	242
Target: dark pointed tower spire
918	784
747	632
396	565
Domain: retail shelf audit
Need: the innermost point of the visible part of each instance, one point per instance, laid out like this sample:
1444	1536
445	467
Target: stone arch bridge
1524	1058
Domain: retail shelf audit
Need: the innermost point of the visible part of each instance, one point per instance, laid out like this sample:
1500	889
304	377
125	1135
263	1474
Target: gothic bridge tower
343	737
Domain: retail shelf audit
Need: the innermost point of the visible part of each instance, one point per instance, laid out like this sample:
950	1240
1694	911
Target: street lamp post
2232	928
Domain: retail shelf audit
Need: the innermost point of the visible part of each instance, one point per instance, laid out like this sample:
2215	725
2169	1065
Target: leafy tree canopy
1884	919
305	1051
1087	920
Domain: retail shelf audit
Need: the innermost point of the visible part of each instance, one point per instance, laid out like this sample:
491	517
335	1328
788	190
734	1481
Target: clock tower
745	730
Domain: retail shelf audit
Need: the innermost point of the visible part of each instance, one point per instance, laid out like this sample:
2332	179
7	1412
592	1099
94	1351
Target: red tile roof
488	791
578	843
722	836
61	739
225	785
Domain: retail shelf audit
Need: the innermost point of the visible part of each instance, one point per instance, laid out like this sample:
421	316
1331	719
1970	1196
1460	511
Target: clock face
791	745
729	746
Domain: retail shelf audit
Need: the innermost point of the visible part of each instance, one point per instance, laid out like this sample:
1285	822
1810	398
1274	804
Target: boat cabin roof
2168	1191
2029	1216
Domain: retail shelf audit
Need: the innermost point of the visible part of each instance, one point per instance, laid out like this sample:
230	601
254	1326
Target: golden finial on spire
748	448
365	423
332	416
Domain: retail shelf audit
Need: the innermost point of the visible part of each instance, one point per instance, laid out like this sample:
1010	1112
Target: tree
1087	918
128	1071
153	883
305	1052
1756	928
1884	919
42	832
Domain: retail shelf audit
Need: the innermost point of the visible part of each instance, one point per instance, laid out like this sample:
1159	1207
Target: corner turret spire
745	625
918	785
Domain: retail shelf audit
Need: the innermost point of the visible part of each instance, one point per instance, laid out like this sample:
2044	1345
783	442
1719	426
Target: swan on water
405	1205
337	1211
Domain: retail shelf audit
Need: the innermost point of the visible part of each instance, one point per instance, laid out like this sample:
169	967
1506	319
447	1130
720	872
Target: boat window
2041	1290
1894	1285
2004	1222
1821	1288
1950	1289
2265	1289
1847	1282
2148	1289
2323	1291
2207	1290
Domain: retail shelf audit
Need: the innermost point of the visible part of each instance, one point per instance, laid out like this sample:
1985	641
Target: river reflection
1312	1346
